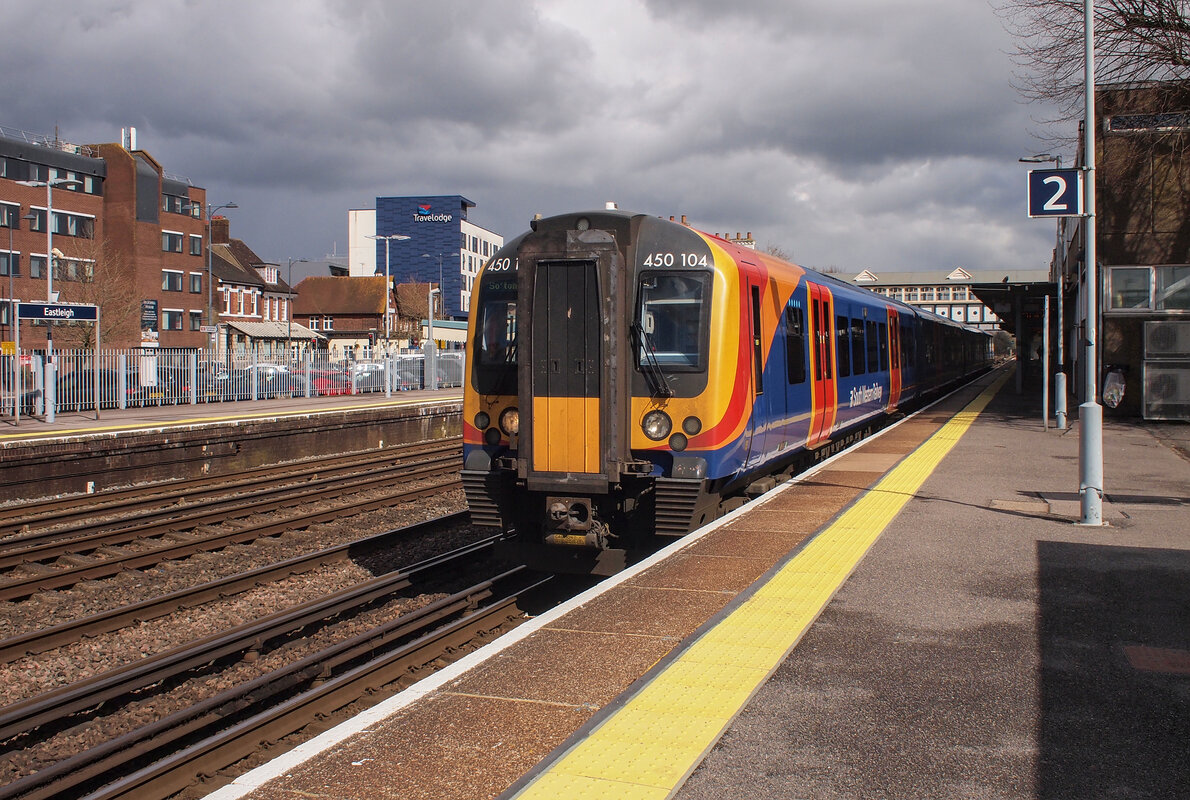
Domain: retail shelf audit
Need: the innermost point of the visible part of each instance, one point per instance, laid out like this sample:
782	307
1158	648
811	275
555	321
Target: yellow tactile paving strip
648	747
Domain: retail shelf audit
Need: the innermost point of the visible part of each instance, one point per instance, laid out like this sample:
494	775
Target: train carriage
630	375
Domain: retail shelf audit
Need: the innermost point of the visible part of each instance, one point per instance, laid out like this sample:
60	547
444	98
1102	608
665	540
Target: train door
566	368
894	359
822	370
754	446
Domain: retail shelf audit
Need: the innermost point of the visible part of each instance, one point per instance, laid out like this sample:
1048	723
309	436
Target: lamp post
1060	258
387	285
210	275
440	284
289	310
50	297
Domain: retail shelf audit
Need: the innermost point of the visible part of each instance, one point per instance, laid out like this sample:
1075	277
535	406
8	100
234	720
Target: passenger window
795	342
873	347
857	346
843	346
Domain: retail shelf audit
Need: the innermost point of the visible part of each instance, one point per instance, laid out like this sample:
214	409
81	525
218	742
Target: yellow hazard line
652	743
190	421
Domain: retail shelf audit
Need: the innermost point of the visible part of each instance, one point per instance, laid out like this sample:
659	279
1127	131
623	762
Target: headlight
510	421
656	425
691	425
491	436
482	420
678	442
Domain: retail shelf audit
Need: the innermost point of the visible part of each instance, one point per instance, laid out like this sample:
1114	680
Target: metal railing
140	377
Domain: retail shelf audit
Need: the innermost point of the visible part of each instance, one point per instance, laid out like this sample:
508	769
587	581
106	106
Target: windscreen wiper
654	374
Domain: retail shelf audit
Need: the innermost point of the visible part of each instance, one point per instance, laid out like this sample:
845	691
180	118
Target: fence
147	377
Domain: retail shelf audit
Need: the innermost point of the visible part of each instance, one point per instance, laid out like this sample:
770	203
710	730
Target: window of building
171	319
313	324
1129	288
960	293
74	269
328	323
37	224
79	225
171	241
195	245
927	294
1172	288
943	294
10	264
10	214
195	320
171	281
195	282
36	266
4	313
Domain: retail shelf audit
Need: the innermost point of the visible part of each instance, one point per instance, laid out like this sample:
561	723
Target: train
631	378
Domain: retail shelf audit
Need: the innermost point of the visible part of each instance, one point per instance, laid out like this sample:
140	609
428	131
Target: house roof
340	295
228	269
941	277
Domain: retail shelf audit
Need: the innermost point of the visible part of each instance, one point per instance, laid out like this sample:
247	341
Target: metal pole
1045	367
386	289
51	383
1090	438
1060	373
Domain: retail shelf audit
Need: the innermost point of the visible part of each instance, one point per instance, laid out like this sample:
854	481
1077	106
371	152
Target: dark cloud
855	133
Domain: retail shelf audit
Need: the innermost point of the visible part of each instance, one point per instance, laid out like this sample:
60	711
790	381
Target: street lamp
210	275
50	297
387	286
440	286
1060	258
289	310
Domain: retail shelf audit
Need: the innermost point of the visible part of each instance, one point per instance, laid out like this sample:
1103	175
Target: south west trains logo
866	394
425	213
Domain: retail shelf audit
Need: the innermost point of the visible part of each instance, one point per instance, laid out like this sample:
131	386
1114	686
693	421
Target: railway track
76	548
17	522
167	754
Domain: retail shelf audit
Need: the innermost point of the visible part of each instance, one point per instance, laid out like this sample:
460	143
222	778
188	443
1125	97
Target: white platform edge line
277	767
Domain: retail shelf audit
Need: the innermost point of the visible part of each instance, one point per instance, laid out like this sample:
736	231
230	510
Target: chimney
684	219
220	230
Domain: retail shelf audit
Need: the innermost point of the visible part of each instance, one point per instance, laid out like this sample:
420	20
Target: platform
937	627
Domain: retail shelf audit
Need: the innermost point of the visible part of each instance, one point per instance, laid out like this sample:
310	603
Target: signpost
50	313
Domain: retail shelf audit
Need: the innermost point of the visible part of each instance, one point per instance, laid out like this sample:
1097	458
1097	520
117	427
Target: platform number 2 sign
1055	193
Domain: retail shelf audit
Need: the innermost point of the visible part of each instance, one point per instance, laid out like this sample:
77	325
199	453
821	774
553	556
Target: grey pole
1060	373
1045	366
1090	438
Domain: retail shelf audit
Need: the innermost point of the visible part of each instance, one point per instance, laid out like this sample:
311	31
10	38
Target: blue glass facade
433	224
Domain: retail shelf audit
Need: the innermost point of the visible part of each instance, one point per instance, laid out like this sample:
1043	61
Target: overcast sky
878	134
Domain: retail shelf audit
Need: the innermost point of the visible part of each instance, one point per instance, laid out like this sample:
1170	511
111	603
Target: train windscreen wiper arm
655	375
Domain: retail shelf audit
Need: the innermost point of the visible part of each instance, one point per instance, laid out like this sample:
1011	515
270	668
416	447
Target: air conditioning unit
1167	339
1166	391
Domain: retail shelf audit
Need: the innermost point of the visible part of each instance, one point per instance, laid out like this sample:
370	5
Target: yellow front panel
566	434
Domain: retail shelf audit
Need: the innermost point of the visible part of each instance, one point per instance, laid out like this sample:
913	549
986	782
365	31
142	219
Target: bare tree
94	272
1136	42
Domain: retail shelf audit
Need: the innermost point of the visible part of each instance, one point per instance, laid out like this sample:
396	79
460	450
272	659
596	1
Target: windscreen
497	332
672	318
